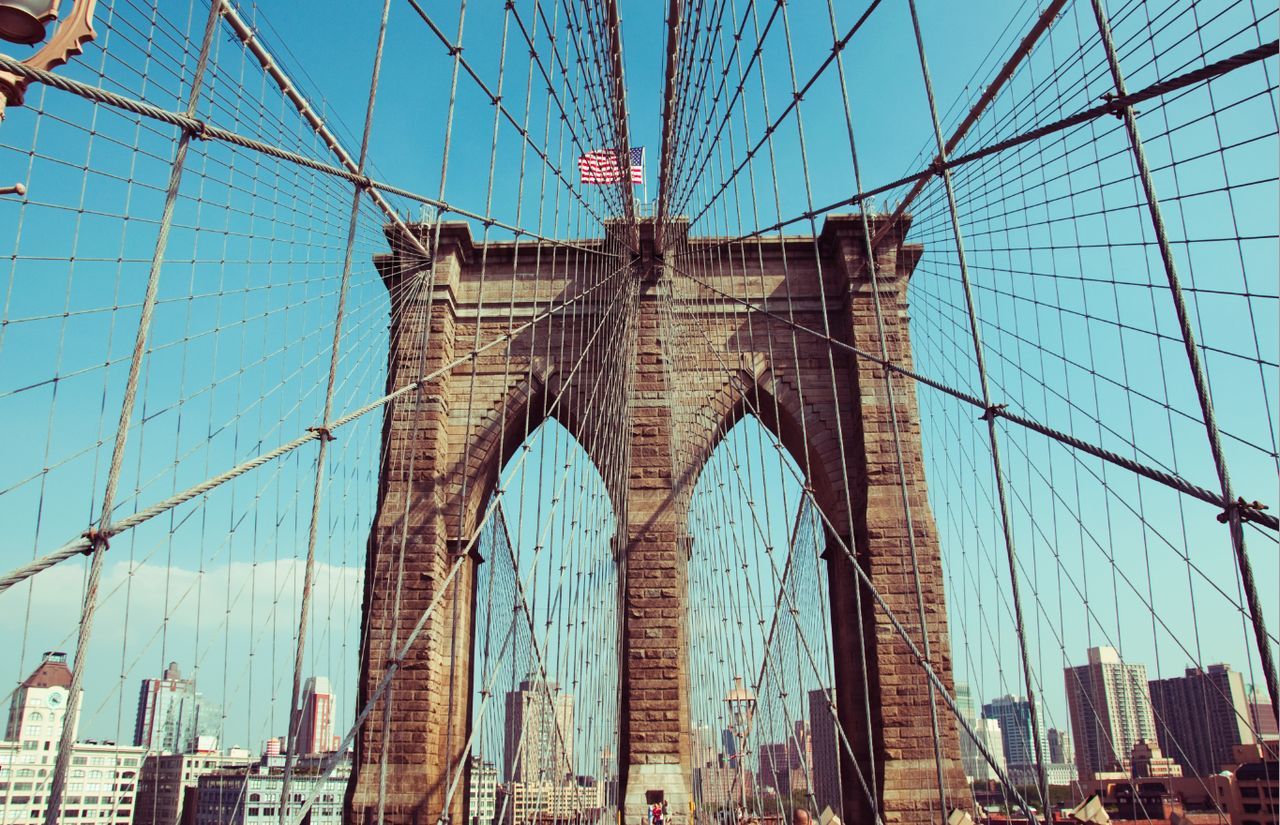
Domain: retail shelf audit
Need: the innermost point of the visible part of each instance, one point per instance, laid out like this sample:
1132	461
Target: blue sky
1077	324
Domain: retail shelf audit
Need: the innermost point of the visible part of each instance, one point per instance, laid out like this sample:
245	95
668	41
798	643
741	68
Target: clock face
56	698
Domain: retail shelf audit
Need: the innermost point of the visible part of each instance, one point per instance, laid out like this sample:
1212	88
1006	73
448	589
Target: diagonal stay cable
84	543
1247	511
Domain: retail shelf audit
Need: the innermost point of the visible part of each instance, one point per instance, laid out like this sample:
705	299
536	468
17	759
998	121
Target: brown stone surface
446	443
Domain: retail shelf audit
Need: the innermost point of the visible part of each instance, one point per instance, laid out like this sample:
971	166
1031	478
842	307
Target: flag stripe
606	166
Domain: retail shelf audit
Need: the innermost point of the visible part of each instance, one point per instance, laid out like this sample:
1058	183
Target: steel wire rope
901	631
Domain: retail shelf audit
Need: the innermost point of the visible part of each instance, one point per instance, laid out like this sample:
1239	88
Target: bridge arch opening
759	630
544	677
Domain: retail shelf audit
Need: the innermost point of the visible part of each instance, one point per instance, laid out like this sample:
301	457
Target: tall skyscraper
826	750
1200	717
1110	706
1014	715
172	715
1060	750
1262	716
988	732
539	733
315	718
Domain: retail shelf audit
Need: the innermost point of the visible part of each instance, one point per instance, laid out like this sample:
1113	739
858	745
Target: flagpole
644	178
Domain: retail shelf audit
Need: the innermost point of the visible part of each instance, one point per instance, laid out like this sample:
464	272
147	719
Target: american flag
606	166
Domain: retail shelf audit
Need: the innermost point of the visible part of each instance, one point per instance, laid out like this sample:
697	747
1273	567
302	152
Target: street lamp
26	22
742	707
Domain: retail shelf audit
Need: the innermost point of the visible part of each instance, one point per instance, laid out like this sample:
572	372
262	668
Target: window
79	760
35	716
29	745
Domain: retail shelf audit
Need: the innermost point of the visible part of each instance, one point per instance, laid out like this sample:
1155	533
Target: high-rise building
976	766
987	731
314	727
703	747
825	745
784	766
1110	706
168	778
1014	715
1262	716
728	743
172	715
482	792
101	778
1200	717
1060	751
1061	769
538	744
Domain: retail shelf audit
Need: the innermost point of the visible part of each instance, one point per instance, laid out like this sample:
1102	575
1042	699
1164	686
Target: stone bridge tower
837	430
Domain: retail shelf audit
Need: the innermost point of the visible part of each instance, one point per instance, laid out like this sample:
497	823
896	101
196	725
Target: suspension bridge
868	470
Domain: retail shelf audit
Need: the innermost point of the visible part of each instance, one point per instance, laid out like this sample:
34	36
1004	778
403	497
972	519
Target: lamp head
24	21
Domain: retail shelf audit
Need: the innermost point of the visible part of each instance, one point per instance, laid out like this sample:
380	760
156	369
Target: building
1060	751
167	779
482	792
721	788
314	725
1257	785
521	803
976	766
101	776
1200	717
251	796
702	746
1014	715
1061	769
1262	716
824	744
784	766
1110	707
987	731
1147	762
172	715
538	746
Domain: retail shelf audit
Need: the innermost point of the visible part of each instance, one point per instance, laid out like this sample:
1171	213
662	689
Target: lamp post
25	22
742	708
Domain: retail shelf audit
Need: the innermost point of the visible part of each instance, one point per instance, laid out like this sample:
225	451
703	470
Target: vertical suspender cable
1205	397
98	537
308	579
1006	524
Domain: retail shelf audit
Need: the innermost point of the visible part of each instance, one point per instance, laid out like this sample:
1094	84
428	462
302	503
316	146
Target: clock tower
39	708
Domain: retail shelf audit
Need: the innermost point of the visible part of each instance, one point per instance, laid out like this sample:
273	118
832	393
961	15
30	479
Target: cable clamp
454	51
992	412
200	131
97	539
324	432
1238	505
937	167
1114	105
